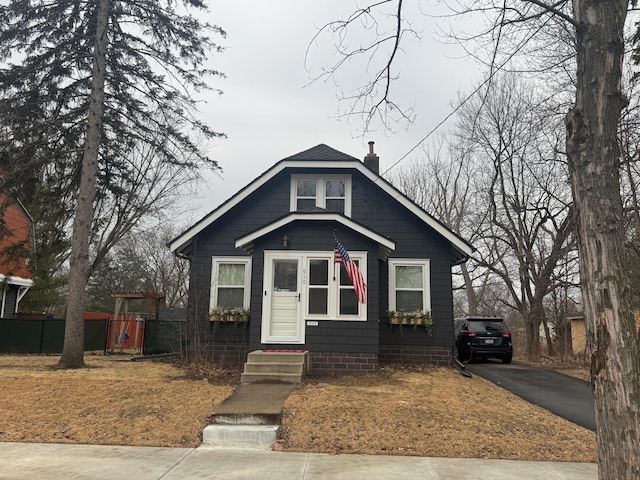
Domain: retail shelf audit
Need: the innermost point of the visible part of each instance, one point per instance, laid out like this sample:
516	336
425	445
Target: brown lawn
399	411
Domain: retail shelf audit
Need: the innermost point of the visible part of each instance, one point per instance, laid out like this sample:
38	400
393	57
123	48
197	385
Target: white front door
281	315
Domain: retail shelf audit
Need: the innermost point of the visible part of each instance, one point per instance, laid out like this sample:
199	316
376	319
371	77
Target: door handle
298	297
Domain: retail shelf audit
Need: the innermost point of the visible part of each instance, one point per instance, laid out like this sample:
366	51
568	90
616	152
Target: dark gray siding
383	214
328	335
371	207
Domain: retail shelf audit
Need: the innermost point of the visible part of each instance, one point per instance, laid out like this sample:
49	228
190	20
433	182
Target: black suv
483	337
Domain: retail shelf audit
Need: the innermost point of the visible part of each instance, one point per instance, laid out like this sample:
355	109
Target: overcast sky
267	111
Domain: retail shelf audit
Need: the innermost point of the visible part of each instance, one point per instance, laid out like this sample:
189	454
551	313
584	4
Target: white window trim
426	279
321	190
215	261
334	287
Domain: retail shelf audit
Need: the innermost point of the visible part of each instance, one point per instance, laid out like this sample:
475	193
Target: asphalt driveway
565	396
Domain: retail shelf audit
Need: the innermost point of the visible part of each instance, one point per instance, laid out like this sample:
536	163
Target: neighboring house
579	333
16	228
270	248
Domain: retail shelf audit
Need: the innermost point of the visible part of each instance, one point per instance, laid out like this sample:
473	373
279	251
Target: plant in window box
421	317
217	314
399	318
239	315
394	317
415	318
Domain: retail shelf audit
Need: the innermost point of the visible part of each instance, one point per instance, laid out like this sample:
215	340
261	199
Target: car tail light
506	334
469	334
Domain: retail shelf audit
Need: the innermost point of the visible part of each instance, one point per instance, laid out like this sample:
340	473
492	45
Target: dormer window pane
306	188
304	204
335	205
305	194
335	188
335	195
330	192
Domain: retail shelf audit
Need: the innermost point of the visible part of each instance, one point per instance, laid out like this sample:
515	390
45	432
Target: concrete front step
274	367
269	377
246	419
258	356
257	436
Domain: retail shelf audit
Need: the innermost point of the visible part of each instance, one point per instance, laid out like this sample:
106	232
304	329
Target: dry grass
112	402
399	411
427	412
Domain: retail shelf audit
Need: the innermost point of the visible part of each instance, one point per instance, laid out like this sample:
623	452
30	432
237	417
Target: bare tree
444	183
141	262
530	227
593	154
168	273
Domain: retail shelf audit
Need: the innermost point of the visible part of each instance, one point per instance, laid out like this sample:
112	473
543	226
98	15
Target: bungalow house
16	228
271	249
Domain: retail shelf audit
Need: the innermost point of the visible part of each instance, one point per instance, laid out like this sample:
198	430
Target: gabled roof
319	214
322	152
321	156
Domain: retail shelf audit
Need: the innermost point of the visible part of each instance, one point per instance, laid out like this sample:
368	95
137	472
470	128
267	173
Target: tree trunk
472	297
547	335
532	335
73	350
594	169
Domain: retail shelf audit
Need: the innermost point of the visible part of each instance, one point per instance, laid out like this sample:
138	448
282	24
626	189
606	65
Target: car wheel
507	358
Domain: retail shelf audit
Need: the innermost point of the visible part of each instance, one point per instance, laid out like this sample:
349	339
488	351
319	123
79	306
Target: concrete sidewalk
26	461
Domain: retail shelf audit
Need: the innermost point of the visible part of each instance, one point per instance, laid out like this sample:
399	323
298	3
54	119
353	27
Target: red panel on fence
132	336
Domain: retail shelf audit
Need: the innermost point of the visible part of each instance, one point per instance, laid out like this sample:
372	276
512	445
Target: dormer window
331	192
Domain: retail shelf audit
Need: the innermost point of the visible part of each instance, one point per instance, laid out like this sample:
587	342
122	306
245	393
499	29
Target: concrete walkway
27	461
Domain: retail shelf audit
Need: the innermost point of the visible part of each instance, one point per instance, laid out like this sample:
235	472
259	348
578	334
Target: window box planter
422	317
231	315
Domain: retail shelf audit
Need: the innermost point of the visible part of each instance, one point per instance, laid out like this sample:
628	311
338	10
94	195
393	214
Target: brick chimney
372	161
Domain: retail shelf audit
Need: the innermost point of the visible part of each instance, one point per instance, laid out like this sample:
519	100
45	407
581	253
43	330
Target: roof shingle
321	152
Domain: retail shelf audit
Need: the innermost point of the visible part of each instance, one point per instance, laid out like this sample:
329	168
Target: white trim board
183	240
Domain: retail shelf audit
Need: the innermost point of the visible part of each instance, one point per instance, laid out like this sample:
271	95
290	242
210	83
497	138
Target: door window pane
318	301
348	301
318	286
344	276
318	272
347	296
285	275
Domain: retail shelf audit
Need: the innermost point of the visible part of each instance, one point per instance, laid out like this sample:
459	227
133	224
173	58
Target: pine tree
84	83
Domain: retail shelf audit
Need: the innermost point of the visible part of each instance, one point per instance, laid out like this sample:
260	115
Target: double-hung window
328	290
230	281
409	285
331	192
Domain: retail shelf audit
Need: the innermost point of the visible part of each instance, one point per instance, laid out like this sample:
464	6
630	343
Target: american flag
355	275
